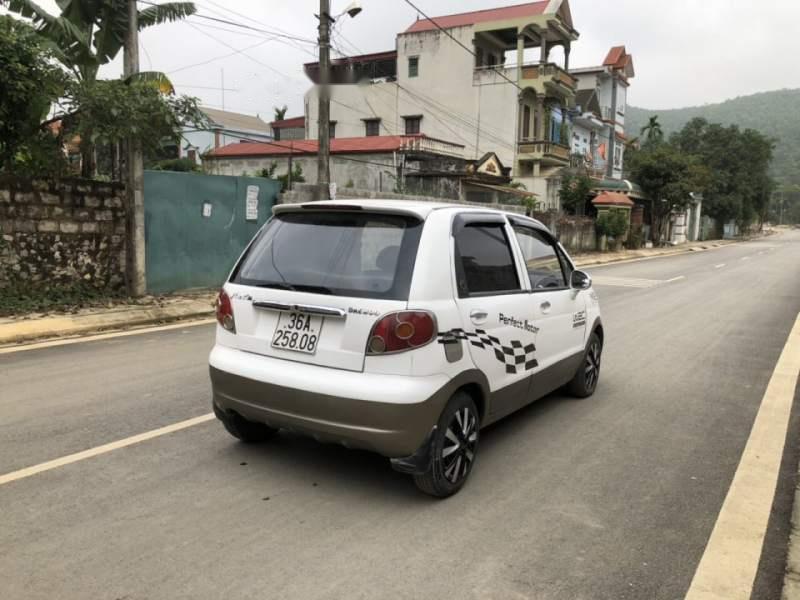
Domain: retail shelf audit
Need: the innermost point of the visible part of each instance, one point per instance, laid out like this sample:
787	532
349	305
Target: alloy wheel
460	441
592	367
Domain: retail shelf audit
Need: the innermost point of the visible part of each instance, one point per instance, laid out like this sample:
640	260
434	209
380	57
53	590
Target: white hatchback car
401	327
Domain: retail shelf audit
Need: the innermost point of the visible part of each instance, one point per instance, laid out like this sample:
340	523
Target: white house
224	128
600	113
489	82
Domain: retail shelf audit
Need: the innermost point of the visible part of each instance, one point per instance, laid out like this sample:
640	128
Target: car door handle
478	316
545	306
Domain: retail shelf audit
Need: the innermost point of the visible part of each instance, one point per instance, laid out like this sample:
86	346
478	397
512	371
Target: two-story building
598	133
493	80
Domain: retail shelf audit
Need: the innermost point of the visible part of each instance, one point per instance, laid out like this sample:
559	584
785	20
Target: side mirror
580	280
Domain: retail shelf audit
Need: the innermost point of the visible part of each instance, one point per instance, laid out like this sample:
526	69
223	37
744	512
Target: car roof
415	207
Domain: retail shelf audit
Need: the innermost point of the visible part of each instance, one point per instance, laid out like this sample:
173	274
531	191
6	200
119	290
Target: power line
243	26
452	37
210	60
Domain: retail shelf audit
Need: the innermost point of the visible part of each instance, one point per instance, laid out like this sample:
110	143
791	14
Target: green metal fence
197	225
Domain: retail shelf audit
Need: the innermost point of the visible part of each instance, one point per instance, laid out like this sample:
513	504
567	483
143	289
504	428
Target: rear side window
542	260
363	255
484	262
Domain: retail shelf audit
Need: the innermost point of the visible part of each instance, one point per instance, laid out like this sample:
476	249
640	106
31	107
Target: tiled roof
614	55
612	199
531	9
371	144
291	122
235	121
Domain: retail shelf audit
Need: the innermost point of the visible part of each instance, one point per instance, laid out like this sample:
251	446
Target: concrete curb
18	331
638	255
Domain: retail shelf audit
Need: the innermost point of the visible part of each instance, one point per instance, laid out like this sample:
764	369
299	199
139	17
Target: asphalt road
611	497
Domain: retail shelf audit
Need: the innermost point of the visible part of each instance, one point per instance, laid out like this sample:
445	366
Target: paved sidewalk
147	311
602	258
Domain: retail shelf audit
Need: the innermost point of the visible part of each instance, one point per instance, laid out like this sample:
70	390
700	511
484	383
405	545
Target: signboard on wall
251	204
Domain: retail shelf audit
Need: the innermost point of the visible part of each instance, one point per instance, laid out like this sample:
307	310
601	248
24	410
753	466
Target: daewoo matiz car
401	327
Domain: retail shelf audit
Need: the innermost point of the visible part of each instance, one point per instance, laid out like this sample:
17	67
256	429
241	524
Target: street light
352	10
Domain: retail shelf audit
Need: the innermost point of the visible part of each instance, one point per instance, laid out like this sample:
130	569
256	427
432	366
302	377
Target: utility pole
324	116
134	180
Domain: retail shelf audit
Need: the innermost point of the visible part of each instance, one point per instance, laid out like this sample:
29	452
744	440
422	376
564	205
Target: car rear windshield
364	255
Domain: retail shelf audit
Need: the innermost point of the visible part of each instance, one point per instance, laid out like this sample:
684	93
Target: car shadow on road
292	462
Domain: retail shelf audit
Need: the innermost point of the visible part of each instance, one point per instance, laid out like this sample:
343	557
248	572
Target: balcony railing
550	73
545	149
423	143
547	73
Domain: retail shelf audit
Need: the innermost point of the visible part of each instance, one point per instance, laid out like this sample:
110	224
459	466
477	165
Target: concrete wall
372	171
66	232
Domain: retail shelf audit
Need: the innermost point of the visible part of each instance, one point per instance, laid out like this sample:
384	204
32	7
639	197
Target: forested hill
776	114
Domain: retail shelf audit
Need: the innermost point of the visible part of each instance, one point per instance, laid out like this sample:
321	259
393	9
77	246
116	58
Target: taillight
225	312
401	331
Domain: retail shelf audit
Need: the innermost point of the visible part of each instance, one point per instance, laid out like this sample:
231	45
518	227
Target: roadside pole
323	122
134	173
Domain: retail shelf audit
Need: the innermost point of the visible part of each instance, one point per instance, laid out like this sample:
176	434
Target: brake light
401	331
225	312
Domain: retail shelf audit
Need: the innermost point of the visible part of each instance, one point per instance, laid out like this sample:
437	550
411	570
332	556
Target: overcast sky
686	52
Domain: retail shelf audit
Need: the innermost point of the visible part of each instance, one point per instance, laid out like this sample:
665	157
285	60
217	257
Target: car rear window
364	255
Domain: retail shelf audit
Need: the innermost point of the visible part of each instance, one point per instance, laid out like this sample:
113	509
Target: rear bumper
387	414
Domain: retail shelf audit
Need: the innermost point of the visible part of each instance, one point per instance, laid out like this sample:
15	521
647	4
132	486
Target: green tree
667	177
29	83
652	132
738	187
90	33
575	189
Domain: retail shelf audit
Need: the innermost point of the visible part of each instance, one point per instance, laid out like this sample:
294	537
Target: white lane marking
103	336
626	281
746	258
678	278
719	266
728	567
98	450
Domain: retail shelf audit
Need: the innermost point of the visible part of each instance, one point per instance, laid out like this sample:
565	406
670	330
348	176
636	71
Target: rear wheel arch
476	392
598	329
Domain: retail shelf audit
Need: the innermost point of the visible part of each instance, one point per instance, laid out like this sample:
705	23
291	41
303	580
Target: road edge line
104	449
729	564
53	342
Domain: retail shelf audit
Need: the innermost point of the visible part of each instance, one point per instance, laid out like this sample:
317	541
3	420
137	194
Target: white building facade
487	82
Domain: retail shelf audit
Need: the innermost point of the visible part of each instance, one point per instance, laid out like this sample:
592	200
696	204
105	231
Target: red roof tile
371	144
614	56
292	122
612	199
530	9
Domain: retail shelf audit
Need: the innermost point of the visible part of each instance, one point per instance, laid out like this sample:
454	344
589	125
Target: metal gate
197	225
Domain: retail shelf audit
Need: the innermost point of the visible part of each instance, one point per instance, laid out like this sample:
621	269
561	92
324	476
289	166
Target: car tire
248	432
454	446
584	382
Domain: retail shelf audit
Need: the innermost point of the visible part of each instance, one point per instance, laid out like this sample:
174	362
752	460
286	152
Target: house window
373	127
526	122
276	135
413	66
412	125
618	149
492	60
193	156
332	129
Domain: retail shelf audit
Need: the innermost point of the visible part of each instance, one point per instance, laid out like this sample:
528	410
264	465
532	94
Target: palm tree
90	33
652	132
280	112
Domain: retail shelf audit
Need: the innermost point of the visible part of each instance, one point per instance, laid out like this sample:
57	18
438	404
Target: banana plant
90	33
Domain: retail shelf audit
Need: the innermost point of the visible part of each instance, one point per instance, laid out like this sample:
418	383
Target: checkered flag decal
516	357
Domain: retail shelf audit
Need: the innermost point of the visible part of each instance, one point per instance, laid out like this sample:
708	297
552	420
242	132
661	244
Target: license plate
297	332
